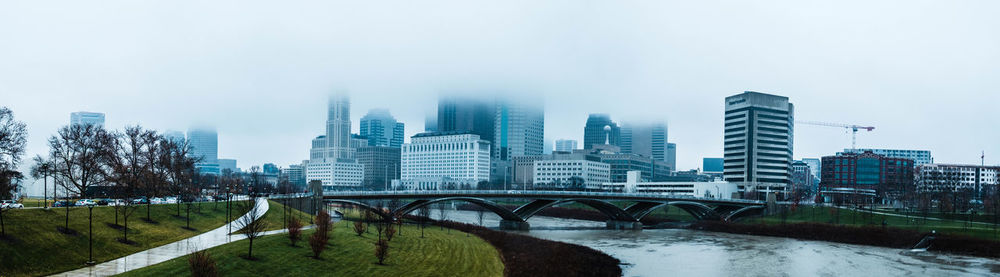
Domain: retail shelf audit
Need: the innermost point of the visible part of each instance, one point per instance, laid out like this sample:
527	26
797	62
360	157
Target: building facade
466	114
444	160
519	131
802	180
849	176
634	184
228	164
919	157
600	130
205	146
758	141
570	174
381	166
672	156
85	118
648	140
336	176
331	157
955	178
565	145
711	165
381	129
296	175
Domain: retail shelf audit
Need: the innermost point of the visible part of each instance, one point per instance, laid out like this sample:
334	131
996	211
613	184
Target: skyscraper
381	129
758	141
600	130
81	118
331	158
205	146
649	139
338	128
462	114
671	156
519	131
565	145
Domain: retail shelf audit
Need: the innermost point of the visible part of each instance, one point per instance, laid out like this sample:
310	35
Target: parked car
62	203
102	202
85	202
116	202
10	204
157	200
141	200
170	200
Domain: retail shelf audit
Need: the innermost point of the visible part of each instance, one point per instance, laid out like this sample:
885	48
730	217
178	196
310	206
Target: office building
711	165
757	149
600	130
381	129
858	177
205	147
84	118
919	157
573	174
381	165
646	139
565	145
705	189
802	180
957	178
519	131
228	165
467	114
621	164
331	157
671	158
296	176
444	160
524	169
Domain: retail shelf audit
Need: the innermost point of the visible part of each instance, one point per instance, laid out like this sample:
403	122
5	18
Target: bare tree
294	230
317	242
43	169
75	150
424	215
252	223
124	164
175	158
381	251
359	228
202	264
13	137
442	214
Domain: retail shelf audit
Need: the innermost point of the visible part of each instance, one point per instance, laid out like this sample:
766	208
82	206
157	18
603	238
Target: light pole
90	241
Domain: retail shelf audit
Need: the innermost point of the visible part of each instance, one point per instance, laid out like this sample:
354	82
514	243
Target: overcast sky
925	73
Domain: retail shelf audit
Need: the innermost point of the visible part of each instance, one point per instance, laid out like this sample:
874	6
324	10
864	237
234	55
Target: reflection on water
676	252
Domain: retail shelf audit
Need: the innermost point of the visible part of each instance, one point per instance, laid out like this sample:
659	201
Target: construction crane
854	129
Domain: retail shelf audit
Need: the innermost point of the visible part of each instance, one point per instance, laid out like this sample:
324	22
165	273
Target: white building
561	173
717	189
758	141
444	160
955	178
336	175
919	157
83	118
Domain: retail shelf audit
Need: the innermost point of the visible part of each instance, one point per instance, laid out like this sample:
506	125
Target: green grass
440	253
862	218
35	247
274	218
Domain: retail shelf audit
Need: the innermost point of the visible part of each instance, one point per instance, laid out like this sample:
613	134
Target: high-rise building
711	165
520	130
565	145
83	118
815	165
648	140
331	158
174	135
868	175
802	180
919	157
431	122
444	160
381	129
672	156
205	146
228	164
465	114
758	141
381	165
600	130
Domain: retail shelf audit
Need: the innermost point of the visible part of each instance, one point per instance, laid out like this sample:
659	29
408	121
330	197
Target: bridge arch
504	213
745	211
613	212
362	205
698	210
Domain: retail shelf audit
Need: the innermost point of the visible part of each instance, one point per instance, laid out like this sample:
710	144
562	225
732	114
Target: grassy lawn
440	253
860	218
35	247
275	219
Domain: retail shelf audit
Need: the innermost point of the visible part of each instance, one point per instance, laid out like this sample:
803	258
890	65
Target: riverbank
528	256
861	235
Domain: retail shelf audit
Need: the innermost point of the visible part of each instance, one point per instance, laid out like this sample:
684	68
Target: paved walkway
153	256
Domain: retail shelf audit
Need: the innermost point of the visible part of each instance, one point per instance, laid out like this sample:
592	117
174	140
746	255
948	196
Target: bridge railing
528	194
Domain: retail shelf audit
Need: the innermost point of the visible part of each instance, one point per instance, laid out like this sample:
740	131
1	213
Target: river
680	252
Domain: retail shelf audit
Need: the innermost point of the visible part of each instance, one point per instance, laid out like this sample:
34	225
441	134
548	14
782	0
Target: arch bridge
618	217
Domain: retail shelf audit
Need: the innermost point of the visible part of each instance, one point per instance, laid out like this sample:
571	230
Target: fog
923	72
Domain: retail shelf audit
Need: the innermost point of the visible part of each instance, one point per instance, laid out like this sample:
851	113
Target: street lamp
90	241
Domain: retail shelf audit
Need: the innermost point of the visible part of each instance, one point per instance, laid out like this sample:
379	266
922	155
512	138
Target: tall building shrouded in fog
381	129
519	131
565	145
600	130
758	141
648	140
331	158
671	156
467	114
84	118
205	146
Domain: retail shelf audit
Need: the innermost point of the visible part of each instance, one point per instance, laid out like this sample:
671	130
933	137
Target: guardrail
531	193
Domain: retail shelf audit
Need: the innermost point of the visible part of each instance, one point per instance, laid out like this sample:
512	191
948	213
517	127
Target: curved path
172	250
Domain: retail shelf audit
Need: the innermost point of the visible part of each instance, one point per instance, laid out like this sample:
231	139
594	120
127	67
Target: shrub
318	243
294	230
359	227
381	251
390	231
202	265
322	221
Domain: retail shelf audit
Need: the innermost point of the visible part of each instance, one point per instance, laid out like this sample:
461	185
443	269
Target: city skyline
652	78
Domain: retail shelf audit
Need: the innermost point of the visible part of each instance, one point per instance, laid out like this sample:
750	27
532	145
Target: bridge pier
514	225
624	225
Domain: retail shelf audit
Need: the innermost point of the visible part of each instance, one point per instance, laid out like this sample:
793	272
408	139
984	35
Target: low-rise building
956	178
444	160
336	176
570	173
635	184
866	176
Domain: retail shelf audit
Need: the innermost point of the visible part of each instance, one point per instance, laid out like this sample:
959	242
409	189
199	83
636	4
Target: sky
924	73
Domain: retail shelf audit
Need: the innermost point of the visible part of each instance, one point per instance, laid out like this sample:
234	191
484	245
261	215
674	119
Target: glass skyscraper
81	118
205	146
600	130
381	129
